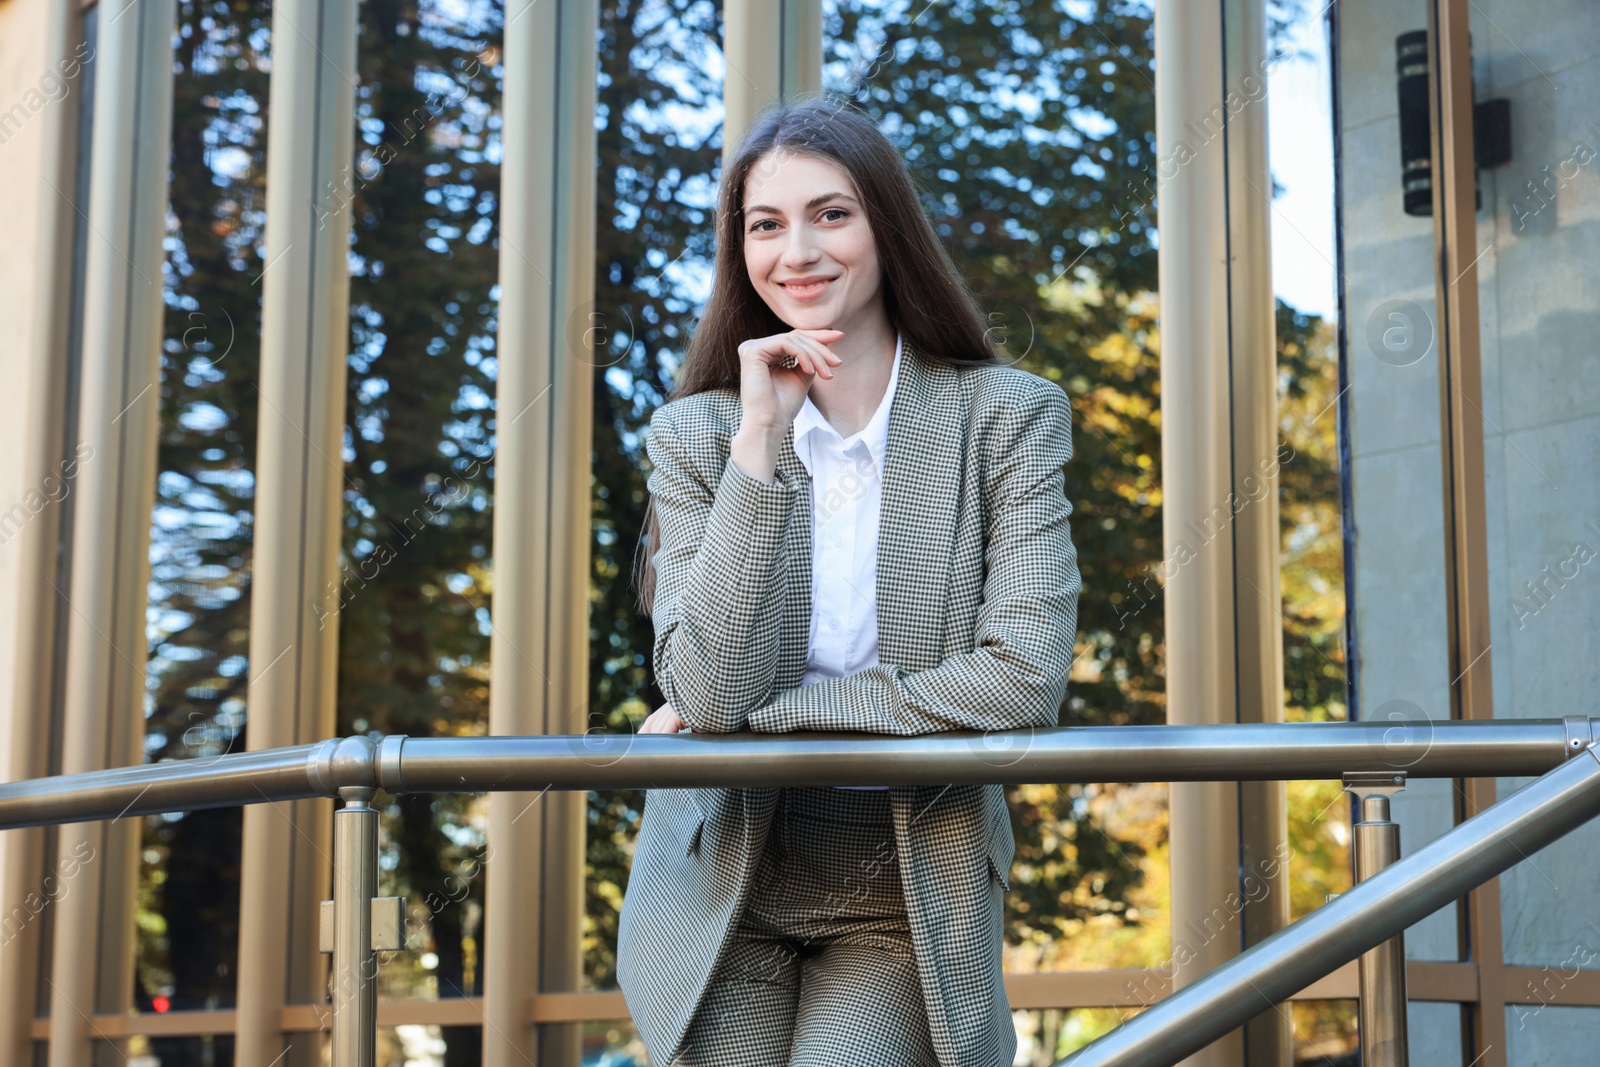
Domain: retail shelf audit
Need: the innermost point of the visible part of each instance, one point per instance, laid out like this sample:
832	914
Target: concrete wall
1540	294
1540	300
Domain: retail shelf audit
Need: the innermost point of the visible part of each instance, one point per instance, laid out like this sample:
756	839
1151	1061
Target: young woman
858	522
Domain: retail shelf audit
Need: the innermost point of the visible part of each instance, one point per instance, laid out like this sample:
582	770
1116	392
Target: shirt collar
875	434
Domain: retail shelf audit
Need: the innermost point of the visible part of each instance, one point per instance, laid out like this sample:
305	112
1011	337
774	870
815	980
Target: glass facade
1031	131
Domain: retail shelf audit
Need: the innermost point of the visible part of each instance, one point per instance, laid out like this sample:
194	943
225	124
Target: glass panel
659	133
198	619
1539	307
413	1047
1044	1037
1305	285
613	1044
1326	1033
208	1051
411	604
1390	358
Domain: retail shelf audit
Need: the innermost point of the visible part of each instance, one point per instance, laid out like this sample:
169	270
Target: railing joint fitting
390	778
1580	731
355	763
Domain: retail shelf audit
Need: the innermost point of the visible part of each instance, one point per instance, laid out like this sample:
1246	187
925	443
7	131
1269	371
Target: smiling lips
807	288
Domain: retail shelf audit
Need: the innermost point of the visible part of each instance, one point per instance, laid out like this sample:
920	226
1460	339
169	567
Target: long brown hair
924	295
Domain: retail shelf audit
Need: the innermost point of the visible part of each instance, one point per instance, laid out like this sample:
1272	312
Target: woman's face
807	244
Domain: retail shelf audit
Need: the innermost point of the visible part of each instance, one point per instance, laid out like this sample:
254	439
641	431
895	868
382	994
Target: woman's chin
807	320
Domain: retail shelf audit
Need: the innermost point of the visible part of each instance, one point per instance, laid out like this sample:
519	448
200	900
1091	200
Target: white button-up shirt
846	501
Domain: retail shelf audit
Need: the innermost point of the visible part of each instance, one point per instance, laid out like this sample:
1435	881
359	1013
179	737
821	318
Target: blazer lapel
921	496
796	625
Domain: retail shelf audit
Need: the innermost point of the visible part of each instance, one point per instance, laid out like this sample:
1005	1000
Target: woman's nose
801	248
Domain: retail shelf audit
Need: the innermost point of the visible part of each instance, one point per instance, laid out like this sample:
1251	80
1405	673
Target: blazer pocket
1000	845
994	872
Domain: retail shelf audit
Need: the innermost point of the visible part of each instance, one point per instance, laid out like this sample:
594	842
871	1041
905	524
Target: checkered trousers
821	971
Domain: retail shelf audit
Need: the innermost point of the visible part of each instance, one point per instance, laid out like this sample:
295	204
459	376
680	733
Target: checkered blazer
977	616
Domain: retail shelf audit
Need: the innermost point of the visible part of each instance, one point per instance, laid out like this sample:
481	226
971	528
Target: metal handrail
1566	795
1070	754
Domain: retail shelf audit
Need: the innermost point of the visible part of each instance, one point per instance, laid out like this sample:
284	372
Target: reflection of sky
1300	149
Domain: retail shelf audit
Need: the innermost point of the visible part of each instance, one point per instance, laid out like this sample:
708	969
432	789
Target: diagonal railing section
1265	975
1565	795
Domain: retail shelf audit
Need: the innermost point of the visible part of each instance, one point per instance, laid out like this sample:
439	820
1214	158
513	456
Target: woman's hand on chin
775	374
663	721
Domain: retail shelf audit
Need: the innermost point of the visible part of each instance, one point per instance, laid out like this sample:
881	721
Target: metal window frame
38	610
118	412
1466	549
1218	351
1493	986
540	641
299	481
772	50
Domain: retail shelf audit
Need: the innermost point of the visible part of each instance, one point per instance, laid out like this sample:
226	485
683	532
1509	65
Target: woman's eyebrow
815	201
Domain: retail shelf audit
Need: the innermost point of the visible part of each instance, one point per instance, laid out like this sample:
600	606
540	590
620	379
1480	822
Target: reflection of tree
411	603
659	139
1313	629
198	618
1313	563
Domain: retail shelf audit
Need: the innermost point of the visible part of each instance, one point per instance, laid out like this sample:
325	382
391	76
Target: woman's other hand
662	721
771	393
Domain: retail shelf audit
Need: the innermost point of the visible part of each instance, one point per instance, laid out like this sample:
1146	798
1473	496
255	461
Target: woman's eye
839	211
756	227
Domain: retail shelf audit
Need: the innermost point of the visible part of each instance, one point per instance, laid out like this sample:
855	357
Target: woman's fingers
790	353
817	341
803	350
813	354
662	721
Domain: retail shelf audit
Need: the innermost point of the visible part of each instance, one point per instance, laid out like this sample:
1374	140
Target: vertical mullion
299	478
771	51
1461	418
103	705
1197	468
1253	421
38	603
539	644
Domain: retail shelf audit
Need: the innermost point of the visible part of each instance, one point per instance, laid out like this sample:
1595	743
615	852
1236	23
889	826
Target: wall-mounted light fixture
1491	127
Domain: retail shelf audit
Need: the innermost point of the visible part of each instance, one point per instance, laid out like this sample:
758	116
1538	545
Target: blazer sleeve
1016	674
719	582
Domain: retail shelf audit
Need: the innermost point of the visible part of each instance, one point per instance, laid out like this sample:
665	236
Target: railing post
355	965
1382	970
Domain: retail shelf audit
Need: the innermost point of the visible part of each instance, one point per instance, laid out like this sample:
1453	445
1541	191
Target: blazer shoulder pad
999	390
